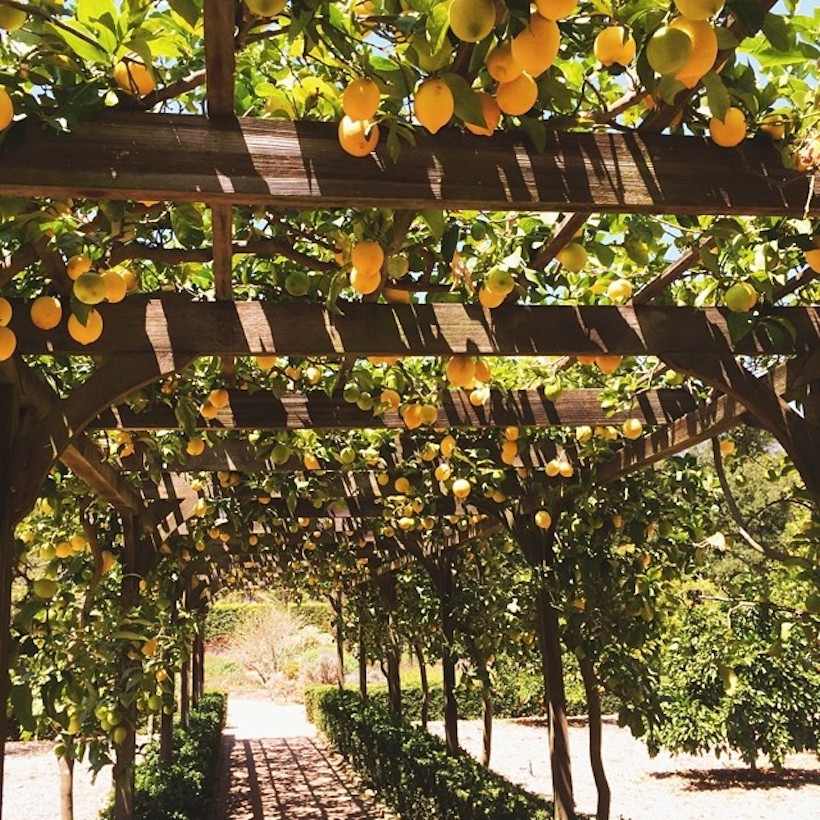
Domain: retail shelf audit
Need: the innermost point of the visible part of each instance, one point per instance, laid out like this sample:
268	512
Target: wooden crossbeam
178	326
300	165
316	410
671	273
702	424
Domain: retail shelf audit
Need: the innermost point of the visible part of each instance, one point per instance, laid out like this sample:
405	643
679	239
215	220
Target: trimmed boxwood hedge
412	771
182	790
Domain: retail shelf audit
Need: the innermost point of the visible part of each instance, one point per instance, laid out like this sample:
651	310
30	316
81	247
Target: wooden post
448	659
166	733
387	587
200	679
129	597
8	427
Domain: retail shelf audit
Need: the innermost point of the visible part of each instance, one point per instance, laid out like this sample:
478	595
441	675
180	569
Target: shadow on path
286	778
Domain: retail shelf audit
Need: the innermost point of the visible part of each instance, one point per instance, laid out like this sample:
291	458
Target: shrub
181	790
412	771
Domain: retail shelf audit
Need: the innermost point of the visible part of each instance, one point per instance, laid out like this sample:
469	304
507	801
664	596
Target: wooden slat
220	59
300	165
317	410
671	273
700	425
179	326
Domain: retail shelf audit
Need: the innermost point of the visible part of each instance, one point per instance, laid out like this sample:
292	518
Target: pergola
227	161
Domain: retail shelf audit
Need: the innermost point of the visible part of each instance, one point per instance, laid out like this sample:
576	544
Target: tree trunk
448	660
66	767
340	643
362	659
487	704
595	759
195	660
8	425
553	673
166	736
184	693
425	685
394	682
129	597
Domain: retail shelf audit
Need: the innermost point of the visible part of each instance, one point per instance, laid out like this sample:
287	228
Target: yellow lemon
517	97
358	137
46	312
501	64
536	47
472	20
360	99
434	104
133	76
730	131
85	334
492	116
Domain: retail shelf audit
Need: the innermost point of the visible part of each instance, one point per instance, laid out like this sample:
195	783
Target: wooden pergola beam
178	326
316	410
702	424
252	161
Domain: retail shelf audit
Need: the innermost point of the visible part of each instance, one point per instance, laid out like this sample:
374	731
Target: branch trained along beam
250	161
176	325
316	410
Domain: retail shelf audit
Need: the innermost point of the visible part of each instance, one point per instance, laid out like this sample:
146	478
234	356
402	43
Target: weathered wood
316	410
564	232
300	165
671	273
178	326
219	17
700	425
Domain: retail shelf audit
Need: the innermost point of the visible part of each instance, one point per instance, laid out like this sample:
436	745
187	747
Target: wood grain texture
317	410
300	165
177	326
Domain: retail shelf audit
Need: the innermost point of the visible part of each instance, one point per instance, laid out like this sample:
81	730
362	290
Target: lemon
699	9
5	311
133	76
434	104
632	429
741	298
543	519
357	137
620	290
614	45
90	288
6	109
460	370
265	8
472	20
115	285
517	97
704	50
461	488
367	257
556	9
77	265
668	49
573	257
501	64
85	334
195	447
365	283
492	116
730	131
608	363
46	312
360	99
11	19
536	47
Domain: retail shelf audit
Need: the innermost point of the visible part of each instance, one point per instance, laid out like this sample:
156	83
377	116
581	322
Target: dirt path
31	788
645	788
274	768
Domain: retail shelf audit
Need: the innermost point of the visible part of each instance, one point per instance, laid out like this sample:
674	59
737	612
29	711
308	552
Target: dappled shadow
718	779
286	779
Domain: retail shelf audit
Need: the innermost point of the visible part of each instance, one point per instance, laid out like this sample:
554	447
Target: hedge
511	699
412	771
181	790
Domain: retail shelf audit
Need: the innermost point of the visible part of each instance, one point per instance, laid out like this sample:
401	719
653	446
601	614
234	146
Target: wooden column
595	737
166	732
448	658
387	587
185	692
65	765
200	677
8	426
129	597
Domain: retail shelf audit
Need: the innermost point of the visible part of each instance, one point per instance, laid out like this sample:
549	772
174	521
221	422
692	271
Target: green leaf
21	703
468	103
90	51
777	31
435	221
536	130
449	242
740	325
186	414
188	10
669	88
438	24
94	9
717	95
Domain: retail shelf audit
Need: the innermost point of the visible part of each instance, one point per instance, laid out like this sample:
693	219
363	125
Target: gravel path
31	788
644	788
274	768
